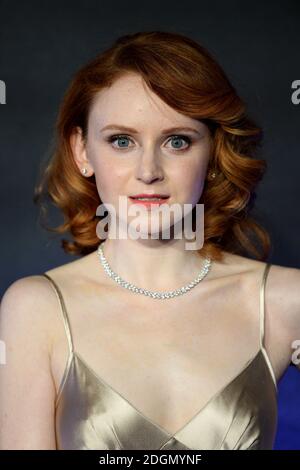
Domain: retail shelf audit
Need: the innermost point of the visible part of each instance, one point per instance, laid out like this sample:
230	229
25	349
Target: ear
78	146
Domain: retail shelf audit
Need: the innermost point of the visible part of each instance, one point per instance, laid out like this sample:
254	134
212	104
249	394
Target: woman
92	362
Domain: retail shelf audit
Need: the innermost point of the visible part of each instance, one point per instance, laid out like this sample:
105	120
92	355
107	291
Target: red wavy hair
186	77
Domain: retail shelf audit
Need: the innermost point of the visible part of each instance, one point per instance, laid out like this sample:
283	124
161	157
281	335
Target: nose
149	168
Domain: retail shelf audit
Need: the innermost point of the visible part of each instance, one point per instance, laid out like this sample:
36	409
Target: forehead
129	102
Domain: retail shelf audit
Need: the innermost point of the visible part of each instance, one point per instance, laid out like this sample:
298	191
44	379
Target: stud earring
84	171
211	175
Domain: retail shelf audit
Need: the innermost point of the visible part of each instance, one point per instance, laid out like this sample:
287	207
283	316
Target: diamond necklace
155	295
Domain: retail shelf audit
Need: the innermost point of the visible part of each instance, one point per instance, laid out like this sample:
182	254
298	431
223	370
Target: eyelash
187	139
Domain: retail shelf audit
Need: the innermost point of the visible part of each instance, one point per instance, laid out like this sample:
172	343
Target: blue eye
123	139
178	138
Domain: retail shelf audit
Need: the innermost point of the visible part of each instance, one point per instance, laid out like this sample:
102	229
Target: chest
93	415
166	362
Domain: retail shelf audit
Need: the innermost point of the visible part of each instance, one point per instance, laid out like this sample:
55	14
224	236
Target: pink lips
149	204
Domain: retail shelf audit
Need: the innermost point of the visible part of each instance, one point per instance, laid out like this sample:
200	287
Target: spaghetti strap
262	309
262	305
64	313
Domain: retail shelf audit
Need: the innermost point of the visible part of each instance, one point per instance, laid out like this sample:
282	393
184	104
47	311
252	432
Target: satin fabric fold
92	415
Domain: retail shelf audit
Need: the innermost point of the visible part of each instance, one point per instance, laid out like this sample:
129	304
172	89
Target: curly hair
185	76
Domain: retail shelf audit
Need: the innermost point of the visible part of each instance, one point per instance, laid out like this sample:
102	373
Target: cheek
110	180
191	178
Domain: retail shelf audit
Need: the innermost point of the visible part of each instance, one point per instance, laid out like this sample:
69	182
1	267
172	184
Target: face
133	148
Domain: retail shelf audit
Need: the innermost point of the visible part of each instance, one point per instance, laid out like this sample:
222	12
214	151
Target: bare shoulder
28	305
282	285
282	290
30	308
284	293
33	298
27	292
282	305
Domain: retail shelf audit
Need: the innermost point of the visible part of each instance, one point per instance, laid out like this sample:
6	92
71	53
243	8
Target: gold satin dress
92	415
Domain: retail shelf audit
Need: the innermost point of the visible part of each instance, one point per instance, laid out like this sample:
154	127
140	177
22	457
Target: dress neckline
260	354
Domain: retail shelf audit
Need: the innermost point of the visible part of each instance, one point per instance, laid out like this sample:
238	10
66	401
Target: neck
153	264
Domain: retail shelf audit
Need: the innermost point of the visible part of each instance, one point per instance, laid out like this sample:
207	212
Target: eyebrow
134	131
